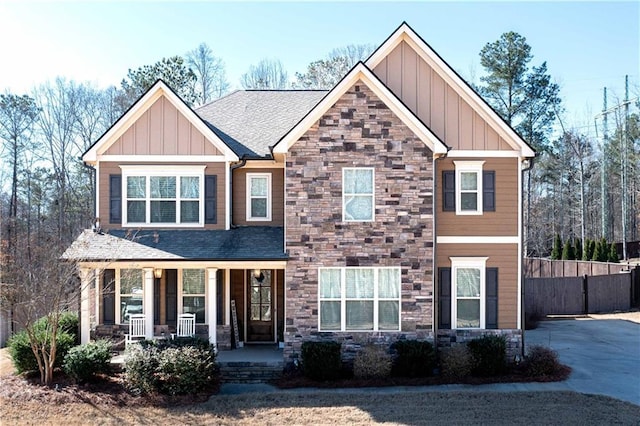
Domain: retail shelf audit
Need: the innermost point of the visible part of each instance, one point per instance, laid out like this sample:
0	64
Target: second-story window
156	196
258	196
358	187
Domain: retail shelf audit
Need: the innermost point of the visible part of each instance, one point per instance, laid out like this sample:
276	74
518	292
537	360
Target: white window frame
468	167
118	286
165	171
372	195
182	294
250	177
479	263
376	299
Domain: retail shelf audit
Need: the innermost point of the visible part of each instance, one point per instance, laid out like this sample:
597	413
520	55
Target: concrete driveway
604	354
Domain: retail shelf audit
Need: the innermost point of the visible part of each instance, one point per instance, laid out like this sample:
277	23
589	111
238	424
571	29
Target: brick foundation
448	338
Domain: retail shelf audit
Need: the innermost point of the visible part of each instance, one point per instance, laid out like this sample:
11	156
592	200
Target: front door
260	306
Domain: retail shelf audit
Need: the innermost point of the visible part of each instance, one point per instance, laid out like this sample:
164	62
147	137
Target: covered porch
236	295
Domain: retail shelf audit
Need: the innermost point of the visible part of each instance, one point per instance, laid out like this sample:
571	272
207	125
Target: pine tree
557	248
588	249
568	252
613	254
578	246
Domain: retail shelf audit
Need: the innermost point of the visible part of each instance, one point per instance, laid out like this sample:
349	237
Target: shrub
172	367
69	323
321	360
541	361
20	346
556	252
414	358
613	254
456	362
372	362
83	362
568	252
489	355
183	370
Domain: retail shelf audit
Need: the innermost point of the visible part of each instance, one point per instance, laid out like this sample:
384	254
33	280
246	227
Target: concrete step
250	372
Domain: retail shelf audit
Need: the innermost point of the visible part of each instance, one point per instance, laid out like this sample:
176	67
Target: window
258	196
468	301
130	293
469	188
359	299
358	201
193	293
154	196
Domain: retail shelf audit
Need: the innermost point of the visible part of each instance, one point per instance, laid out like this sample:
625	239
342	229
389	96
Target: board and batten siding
502	222
501	256
240	197
110	168
436	103
162	130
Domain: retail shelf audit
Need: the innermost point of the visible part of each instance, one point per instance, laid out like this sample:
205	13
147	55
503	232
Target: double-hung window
359	299
159	196
468	298
469	188
130	293
358	196
193	293
258	196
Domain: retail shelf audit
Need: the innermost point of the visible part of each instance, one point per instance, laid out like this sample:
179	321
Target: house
388	207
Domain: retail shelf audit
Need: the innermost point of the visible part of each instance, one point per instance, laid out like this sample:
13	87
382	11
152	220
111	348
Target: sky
587	45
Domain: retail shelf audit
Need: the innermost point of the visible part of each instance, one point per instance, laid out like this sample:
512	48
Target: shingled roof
244	243
250	121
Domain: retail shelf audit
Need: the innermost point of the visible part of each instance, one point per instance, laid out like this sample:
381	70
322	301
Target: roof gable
117	140
405	34
361	72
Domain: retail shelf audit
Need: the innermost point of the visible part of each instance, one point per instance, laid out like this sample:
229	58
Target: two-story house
387	207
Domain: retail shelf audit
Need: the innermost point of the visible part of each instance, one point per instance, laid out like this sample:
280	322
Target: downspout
241	163
523	316
93	195
434	269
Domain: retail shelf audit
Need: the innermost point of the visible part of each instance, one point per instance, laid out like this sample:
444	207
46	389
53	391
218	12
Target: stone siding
358	131
448	338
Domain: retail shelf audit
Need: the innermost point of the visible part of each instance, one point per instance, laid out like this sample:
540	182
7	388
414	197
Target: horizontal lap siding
501	256
502	222
240	197
109	168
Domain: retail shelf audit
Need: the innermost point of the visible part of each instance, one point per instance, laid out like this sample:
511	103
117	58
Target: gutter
523	316
95	183
242	163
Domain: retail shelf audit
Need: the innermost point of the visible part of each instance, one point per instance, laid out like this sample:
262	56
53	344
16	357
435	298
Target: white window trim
373	194
118	275
343	300
468	167
155	170
249	197
182	295
468	262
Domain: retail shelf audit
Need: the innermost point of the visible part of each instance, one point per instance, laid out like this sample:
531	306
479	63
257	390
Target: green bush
372	362
20	347
613	254
556	252
489	355
541	361
456	362
568	252
414	358
83	362
321	360
173	367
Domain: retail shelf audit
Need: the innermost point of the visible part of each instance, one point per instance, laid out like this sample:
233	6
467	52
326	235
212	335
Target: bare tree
267	74
210	72
326	73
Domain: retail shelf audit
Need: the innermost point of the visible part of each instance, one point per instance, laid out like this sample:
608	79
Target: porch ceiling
244	243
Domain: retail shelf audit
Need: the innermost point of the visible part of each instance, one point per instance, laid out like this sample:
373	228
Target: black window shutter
449	191
489	191
210	204
444	298
115	198
108	296
491	299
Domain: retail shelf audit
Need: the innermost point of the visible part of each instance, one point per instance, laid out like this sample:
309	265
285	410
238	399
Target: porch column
85	317
212	306
227	297
147	303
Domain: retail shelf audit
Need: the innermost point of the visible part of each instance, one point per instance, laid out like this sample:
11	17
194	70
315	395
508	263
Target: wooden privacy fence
580	295
547	268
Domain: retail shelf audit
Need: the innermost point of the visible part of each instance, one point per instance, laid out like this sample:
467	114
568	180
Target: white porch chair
136	329
186	325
